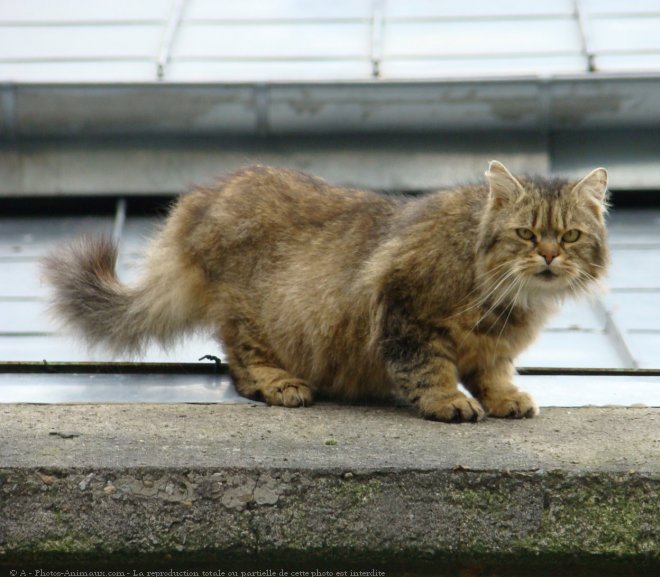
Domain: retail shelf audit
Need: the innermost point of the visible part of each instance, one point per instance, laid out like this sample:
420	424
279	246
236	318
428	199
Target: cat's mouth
546	274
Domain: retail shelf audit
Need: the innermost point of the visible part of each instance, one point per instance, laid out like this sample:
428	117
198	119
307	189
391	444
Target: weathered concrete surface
348	482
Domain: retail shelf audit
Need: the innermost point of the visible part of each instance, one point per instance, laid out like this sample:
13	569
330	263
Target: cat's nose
549	251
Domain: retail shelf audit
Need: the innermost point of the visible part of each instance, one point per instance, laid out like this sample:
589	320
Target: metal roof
311	40
619	329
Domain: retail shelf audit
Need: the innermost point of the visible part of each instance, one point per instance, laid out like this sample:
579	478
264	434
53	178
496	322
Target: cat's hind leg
257	374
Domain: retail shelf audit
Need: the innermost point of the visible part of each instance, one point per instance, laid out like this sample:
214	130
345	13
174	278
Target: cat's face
543	237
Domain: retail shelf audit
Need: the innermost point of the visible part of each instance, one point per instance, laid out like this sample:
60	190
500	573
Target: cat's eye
571	235
525	233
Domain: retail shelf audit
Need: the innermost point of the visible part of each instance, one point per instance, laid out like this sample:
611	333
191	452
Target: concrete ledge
349	483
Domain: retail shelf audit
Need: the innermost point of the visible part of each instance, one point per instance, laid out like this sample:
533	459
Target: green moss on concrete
614	518
486	499
67	545
373	516
358	491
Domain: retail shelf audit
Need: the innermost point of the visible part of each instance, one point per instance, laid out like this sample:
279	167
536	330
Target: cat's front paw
452	408
513	405
288	393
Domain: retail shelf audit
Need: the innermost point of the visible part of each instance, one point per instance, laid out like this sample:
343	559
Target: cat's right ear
592	190
503	186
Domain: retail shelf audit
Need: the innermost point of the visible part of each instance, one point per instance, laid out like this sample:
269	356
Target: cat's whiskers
504	294
517	282
582	283
483	316
579	281
500	297
491	274
589	280
577	286
522	282
589	275
482	298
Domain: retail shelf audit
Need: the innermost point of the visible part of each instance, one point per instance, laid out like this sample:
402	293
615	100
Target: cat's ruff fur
351	293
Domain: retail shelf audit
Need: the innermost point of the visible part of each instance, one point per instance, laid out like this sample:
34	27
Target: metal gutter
584	101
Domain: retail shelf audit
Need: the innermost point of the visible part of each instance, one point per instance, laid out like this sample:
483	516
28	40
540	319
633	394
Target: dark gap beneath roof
150	204
93	205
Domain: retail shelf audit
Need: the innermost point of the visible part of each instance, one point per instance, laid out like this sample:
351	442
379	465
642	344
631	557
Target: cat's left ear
592	189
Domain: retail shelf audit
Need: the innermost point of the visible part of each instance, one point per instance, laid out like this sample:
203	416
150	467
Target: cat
350	293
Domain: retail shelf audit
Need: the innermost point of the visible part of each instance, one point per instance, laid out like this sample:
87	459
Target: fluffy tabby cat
311	287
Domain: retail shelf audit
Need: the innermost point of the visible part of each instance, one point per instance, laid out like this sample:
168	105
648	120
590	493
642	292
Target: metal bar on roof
172	368
585	43
377	29
113	367
617	334
120	219
168	37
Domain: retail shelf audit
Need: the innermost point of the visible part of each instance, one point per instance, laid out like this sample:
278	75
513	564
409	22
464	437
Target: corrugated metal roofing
276	40
619	329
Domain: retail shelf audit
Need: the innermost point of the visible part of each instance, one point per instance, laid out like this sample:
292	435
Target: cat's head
542	237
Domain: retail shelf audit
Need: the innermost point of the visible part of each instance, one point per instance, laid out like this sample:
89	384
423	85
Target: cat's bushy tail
89	298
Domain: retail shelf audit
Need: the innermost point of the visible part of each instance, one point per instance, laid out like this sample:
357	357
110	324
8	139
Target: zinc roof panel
646	346
577	391
37	348
267	71
577	315
82	11
491	38
637	62
635	310
400	9
272	41
80	43
634	269
484	66
628	35
21	279
32	237
610	7
274	10
75	72
579	349
23	317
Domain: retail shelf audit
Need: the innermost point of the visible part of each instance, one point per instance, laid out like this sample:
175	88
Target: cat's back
277	195
276	216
